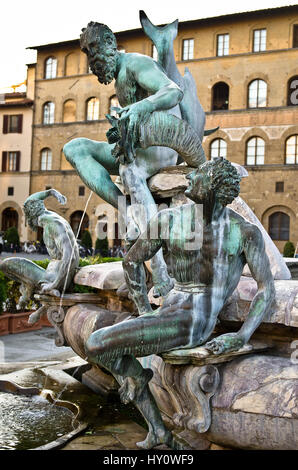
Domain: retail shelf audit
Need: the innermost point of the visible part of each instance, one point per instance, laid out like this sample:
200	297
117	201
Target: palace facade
245	67
16	118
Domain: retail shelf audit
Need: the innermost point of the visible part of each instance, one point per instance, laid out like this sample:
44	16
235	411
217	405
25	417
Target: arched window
292	150
93	109
279	226
257	94
114	103
75	221
293	91
69	111
220	96
71	64
255	151
10	218
46	159
50	69
218	148
48	112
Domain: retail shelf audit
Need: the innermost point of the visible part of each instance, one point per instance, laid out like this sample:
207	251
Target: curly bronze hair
100	30
100	34
32	209
224	179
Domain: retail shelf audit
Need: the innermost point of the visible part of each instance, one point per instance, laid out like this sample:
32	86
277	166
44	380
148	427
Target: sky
35	22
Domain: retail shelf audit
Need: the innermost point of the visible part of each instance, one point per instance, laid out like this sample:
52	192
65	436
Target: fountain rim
8	386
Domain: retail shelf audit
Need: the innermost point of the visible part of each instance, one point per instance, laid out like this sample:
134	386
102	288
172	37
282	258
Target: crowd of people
26	247
40	248
117	252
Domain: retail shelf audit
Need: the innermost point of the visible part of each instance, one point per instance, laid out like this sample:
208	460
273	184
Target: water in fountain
29	422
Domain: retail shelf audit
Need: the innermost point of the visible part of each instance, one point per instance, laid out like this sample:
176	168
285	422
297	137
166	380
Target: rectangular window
187	49
259	41
12	123
11	161
10	191
51	68
279	187
46	159
295	35
154	53
223	41
81	190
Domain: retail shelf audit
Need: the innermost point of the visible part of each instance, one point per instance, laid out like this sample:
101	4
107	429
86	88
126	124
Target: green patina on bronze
198	250
205	273
161	122
62	248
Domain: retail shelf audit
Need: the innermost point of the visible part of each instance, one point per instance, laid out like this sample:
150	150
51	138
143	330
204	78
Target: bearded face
103	66
99	43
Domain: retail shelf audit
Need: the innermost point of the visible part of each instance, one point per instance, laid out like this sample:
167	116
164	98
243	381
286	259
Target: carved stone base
56	315
191	390
253	406
249	401
100	381
56	309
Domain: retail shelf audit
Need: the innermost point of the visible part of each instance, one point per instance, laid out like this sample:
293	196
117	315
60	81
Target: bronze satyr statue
152	94
62	248
206	273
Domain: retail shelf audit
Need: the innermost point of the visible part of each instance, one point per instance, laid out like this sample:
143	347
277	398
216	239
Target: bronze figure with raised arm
62	248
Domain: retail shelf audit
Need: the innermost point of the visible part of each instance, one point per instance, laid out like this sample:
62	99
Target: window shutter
18	161
20	123
5	124
4	161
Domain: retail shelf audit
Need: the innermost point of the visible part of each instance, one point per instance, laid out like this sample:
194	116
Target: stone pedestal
253	407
